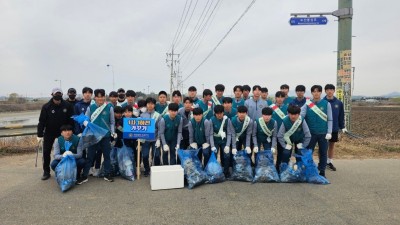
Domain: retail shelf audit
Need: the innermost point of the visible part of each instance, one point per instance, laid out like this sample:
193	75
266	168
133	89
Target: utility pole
113	80
173	74
344	69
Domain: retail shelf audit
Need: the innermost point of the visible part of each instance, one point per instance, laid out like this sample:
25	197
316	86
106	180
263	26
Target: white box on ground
166	177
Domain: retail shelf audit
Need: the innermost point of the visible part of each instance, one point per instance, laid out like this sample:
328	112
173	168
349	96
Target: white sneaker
96	172
91	171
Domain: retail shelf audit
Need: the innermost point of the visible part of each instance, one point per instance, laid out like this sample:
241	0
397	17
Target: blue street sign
139	128
321	20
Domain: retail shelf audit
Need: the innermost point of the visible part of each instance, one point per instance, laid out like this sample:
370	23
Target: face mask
72	97
121	96
57	97
143	109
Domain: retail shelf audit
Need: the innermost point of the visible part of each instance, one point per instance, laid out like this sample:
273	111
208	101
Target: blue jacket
298	103
337	114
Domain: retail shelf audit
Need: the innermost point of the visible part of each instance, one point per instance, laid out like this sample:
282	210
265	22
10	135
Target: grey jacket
273	138
255	107
307	134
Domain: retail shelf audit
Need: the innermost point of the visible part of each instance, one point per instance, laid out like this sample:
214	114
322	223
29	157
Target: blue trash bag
309	168
242	170
265	169
214	170
289	175
192	168
126	162
92	133
66	173
114	161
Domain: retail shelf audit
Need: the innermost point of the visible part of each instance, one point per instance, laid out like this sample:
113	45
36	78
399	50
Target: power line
174	42
194	8
223	38
192	53
197	25
179	25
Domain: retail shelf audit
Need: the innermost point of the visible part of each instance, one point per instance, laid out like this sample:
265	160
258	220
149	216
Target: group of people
215	123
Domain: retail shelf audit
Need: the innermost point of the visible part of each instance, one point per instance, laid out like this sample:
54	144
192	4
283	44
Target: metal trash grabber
39	150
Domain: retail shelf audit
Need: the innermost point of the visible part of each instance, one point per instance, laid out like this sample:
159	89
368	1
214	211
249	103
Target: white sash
97	112
165	111
208	109
278	111
245	125
317	110
264	127
221	132
215	100
155	116
291	131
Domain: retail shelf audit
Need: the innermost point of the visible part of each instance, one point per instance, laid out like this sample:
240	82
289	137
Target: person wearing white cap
53	115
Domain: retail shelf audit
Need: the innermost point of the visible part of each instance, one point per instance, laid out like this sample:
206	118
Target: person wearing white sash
154	144
280	111
243	126
219	94
130	100
220	133
264	132
162	104
186	114
293	134
101	114
207	104
318	115
229	111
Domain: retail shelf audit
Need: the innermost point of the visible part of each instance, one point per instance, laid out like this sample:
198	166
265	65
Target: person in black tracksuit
53	115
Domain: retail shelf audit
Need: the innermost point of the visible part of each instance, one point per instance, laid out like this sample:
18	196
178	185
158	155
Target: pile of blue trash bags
305	170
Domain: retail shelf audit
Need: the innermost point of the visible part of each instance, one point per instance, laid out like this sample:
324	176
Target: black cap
72	90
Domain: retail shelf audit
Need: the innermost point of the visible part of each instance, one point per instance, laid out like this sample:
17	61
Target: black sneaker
146	173
322	173
109	178
81	180
331	167
46	176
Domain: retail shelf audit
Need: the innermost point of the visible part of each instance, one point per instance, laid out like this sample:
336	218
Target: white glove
205	145
166	148
158	144
328	136
255	149
114	135
194	145
226	149
214	149
234	151
248	150
177	147
67	153
288	147
273	150
344	130
136	113
299	146
85	123
39	139
79	135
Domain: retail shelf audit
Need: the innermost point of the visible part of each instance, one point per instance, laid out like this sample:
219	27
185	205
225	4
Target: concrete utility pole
344	68
113	80
173	74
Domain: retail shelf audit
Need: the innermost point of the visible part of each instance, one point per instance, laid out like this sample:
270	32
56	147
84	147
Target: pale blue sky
74	40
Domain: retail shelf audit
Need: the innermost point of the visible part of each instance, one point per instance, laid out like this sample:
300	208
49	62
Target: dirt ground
379	125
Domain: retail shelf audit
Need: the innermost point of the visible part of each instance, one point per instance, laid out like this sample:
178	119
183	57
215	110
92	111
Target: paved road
362	192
